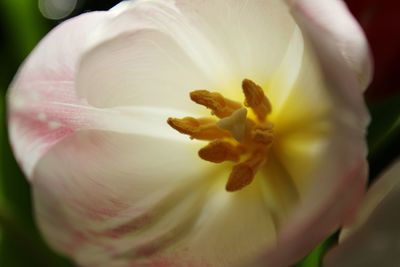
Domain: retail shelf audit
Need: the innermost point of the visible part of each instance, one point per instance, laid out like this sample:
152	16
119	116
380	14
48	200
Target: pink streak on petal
43	105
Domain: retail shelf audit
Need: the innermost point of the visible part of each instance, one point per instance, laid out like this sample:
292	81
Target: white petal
284	79
251	36
144	68
315	125
93	182
314	220
320	142
373	240
169	48
126	200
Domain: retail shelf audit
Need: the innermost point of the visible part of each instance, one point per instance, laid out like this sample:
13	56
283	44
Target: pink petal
43	105
338	41
373	240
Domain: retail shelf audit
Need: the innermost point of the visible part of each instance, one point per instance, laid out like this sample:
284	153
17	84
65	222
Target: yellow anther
256	99
219	105
202	129
243	173
263	134
234	135
219	151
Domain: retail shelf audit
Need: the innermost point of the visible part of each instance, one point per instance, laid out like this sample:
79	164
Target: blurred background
24	22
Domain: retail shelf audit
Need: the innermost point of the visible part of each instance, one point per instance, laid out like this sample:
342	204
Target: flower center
234	137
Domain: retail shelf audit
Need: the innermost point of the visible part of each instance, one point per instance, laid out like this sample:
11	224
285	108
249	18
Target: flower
373	239
94	110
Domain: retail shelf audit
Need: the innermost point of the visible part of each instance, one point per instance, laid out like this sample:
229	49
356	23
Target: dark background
22	25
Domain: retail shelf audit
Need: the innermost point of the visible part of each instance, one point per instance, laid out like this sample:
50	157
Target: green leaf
25	26
384	135
314	259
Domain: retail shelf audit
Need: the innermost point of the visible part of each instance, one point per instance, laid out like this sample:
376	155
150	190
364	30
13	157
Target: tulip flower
373	239
194	133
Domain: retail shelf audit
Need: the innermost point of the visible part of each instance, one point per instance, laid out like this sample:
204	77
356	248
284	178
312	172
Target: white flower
115	185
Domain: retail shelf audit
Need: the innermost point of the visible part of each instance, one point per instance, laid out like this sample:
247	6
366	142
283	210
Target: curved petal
318	212
342	51
318	128
320	132
43	106
132	200
338	41
171	47
373	240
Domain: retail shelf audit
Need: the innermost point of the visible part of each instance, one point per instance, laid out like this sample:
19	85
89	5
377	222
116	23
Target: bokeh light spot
56	9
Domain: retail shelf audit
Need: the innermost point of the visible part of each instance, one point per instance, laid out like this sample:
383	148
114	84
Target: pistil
235	136
236	124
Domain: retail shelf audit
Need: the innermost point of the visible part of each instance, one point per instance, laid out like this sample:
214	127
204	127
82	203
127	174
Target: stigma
232	135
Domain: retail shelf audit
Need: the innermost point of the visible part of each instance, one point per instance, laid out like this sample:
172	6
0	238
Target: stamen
243	173
234	135
219	151
263	134
256	99
219	105
235	124
201	129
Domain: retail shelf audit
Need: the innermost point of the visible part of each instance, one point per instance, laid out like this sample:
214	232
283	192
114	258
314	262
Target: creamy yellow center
234	137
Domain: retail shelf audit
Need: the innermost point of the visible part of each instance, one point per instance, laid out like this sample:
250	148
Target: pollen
233	137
